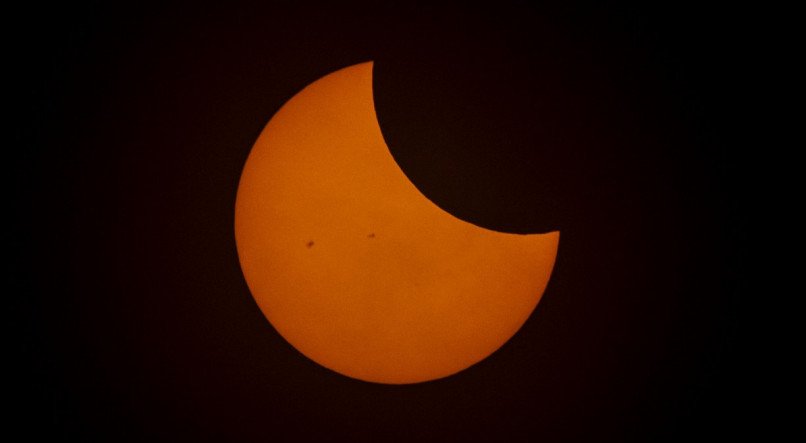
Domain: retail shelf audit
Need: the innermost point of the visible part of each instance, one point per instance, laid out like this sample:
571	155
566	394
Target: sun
355	267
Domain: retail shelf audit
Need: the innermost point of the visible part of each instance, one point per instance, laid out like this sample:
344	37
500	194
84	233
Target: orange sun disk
355	267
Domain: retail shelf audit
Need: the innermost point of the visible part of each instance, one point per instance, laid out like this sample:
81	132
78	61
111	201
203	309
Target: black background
615	125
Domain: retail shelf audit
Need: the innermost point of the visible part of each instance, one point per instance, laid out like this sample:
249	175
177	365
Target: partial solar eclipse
355	267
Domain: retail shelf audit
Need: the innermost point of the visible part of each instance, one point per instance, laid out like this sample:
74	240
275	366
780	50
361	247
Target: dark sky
615	125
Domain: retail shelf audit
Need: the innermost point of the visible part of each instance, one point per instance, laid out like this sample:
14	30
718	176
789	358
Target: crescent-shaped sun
355	267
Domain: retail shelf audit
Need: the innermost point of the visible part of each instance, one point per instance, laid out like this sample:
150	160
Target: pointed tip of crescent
551	235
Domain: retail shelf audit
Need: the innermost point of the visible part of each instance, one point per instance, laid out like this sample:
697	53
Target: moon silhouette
355	267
